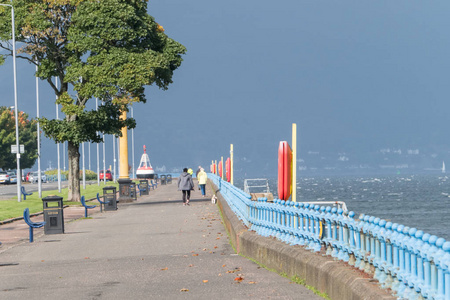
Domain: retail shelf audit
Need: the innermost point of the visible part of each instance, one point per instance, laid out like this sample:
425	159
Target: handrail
408	261
247	186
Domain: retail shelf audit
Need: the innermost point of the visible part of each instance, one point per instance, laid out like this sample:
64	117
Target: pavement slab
153	248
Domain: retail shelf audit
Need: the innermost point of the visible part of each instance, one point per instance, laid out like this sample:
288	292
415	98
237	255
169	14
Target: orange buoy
220	168
284	171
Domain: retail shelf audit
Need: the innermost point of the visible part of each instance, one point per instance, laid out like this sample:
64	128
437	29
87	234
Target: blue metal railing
410	262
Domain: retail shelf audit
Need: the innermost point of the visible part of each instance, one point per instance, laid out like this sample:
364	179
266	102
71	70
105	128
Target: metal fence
413	264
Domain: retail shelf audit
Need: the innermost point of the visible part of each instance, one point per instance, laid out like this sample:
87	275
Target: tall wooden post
231	164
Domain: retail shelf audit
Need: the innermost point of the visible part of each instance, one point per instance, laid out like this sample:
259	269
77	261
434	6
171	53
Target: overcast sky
356	77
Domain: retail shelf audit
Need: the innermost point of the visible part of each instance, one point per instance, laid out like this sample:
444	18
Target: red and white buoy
145	169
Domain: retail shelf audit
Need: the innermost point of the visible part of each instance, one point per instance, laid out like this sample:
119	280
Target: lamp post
84	168
114	158
57	144
16	114
98	151
132	146
38	136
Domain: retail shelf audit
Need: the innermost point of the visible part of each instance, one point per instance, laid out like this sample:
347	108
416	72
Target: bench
153	184
86	207
24	193
141	190
102	203
26	217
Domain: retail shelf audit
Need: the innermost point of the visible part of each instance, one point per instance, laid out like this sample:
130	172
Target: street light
98	156
132	145
16	114
57	144
38	136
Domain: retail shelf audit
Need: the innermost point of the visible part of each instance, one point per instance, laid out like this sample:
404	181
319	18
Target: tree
27	137
109	49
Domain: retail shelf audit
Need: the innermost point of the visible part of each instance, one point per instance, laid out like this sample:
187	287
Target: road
8	191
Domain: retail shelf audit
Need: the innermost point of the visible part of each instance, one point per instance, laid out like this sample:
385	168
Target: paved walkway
154	248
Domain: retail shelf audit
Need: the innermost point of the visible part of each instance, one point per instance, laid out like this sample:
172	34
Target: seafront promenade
153	248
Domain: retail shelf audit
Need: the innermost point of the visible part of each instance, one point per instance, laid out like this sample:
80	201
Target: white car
33	178
4	177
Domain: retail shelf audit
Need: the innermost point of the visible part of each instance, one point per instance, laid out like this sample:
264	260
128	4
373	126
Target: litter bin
143	186
133	190
169	179
53	214
162	179
110	198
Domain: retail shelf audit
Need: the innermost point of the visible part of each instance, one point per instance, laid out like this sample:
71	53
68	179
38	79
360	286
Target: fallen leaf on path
215	247
223	266
86	257
195	254
166	268
191	265
205	281
251	282
184	290
238	279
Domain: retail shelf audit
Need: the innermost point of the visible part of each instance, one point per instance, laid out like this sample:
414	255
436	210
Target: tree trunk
74	172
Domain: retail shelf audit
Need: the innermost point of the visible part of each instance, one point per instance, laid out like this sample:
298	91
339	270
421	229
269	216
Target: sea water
419	201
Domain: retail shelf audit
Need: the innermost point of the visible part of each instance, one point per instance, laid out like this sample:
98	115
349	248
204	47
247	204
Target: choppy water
420	201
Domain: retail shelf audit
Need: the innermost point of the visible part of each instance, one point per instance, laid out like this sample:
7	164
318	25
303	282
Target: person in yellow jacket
202	177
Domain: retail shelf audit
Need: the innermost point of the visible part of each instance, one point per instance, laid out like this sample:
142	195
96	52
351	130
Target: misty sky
356	77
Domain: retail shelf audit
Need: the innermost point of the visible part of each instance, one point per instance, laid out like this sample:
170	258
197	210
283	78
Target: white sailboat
443	167
145	169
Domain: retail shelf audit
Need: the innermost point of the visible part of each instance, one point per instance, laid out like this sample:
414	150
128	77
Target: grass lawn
12	209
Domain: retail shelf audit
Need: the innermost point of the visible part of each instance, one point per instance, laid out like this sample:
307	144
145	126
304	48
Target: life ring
284	171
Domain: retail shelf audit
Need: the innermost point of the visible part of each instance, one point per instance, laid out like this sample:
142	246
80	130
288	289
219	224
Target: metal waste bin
133	190
169	179
143	186
110	198
163	179
53	214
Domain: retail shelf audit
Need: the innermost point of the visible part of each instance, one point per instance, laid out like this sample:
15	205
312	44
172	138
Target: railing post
446	267
438	259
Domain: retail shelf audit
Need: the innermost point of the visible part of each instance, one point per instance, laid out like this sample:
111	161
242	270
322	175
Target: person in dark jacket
185	185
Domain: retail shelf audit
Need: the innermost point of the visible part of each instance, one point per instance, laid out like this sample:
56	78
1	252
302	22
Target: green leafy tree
109	49
27	137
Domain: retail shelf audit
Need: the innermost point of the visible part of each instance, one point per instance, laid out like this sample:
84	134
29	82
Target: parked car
108	175
12	177
34	177
25	176
4	177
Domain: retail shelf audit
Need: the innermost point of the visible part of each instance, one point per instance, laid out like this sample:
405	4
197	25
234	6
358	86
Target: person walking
202	178
196	174
185	185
